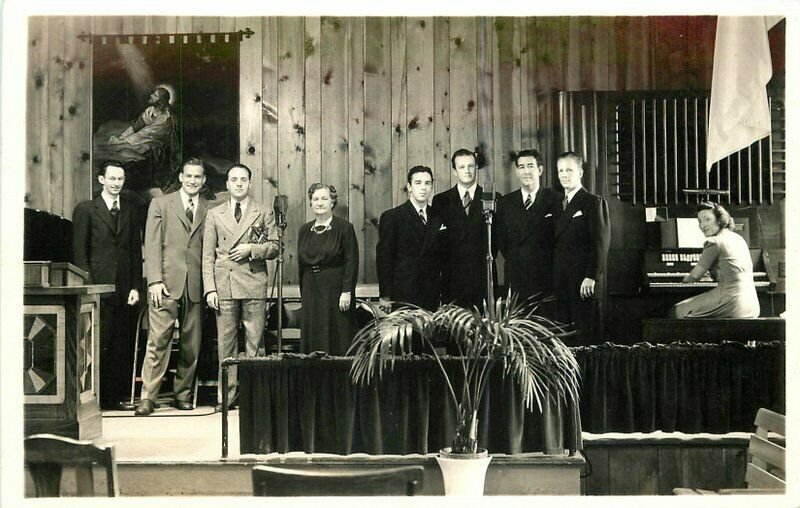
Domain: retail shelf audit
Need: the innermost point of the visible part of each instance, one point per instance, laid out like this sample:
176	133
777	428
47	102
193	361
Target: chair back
47	454
277	481
767	466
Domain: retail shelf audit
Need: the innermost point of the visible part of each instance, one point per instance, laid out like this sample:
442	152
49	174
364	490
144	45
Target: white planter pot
464	475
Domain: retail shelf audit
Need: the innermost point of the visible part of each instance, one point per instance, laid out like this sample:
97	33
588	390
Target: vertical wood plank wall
350	101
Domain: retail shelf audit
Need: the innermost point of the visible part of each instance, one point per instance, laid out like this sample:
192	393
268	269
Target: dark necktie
237	214
528	203
564	203
190	211
114	209
422	217
466	201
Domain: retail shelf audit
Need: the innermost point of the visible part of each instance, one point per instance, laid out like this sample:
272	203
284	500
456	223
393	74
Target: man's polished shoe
145	408
184	405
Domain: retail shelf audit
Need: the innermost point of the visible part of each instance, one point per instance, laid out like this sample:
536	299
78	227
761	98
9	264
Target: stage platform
178	453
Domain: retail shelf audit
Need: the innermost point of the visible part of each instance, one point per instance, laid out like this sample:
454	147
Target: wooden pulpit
61	334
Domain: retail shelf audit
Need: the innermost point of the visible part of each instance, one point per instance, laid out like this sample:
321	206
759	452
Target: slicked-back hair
724	219
237	165
418	169
462	152
529	152
571	155
195	161
108	164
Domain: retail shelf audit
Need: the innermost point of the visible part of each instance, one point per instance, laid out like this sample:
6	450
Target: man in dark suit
173	266
107	243
460	207
524	230
409	244
582	238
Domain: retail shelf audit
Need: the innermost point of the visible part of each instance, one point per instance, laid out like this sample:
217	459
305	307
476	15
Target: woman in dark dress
327	254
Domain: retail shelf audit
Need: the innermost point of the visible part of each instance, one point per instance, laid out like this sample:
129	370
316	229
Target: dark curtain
309	404
680	387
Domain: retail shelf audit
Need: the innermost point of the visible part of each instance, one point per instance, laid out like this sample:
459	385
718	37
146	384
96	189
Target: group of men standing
553	244
192	255
427	254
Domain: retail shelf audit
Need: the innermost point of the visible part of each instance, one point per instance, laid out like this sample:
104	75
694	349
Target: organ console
665	268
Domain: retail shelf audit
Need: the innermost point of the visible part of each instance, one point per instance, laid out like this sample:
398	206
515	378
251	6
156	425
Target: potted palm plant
511	336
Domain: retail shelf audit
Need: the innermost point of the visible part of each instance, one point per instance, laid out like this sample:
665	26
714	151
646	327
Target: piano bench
714	330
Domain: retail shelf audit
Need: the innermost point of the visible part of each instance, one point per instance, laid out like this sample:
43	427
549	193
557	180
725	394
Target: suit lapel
124	215
250	216
227	219
177	207
566	214
199	214
104	213
431	228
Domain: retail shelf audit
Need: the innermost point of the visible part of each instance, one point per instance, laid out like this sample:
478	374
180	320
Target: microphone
487	196
279	206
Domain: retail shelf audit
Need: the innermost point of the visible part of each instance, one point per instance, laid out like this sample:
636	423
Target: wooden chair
276	481
766	468
47	454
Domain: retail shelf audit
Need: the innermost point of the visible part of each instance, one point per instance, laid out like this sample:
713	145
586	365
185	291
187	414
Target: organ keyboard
665	269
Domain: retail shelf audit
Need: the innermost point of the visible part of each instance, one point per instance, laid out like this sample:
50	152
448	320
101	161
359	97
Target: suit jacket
111	254
464	269
583	235
409	256
173	247
525	237
231	279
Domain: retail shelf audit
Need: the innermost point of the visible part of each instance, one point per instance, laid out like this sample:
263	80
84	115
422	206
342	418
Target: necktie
237	214
528	203
466	202
564	203
114	209
422	217
190	211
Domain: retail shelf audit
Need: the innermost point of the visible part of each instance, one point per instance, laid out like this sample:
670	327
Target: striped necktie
422	217
190	211
466	201
528	203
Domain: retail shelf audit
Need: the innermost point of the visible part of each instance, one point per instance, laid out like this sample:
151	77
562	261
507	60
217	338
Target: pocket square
442	228
548	215
577	214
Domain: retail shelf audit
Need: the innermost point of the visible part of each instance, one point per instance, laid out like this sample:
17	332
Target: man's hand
212	300
385	304
587	288
240	252
157	292
344	301
133	297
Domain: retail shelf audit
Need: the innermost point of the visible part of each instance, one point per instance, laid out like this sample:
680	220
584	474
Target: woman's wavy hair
317	186
724	219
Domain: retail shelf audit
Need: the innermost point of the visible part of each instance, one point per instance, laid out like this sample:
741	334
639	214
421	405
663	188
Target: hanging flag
739	113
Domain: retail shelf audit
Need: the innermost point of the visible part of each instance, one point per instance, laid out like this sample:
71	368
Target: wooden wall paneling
700	468
127	24
334	54
355	136
420	134
269	107
598	483
669	469
269	111
734	464
250	110
55	112
485	77
463	85
184	25
207	24
573	64
601	38
526	98
399	110
507	102
313	101
441	104
103	25
291	134
634	470
77	113
377	133
228	23
160	25
37	166
170	24
139	25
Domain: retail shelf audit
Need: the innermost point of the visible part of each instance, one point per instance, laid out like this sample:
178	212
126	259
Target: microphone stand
281	223
488	203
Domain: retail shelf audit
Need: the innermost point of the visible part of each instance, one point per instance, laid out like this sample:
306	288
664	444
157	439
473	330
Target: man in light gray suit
172	252
239	237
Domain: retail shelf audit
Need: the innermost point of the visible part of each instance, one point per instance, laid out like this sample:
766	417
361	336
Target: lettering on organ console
665	269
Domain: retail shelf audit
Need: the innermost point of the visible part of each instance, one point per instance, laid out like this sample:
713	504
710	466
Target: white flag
739	113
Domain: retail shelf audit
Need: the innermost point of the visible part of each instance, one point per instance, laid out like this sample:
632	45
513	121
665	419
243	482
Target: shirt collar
572	193
525	195
244	202
185	199
471	190
109	200
423	208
